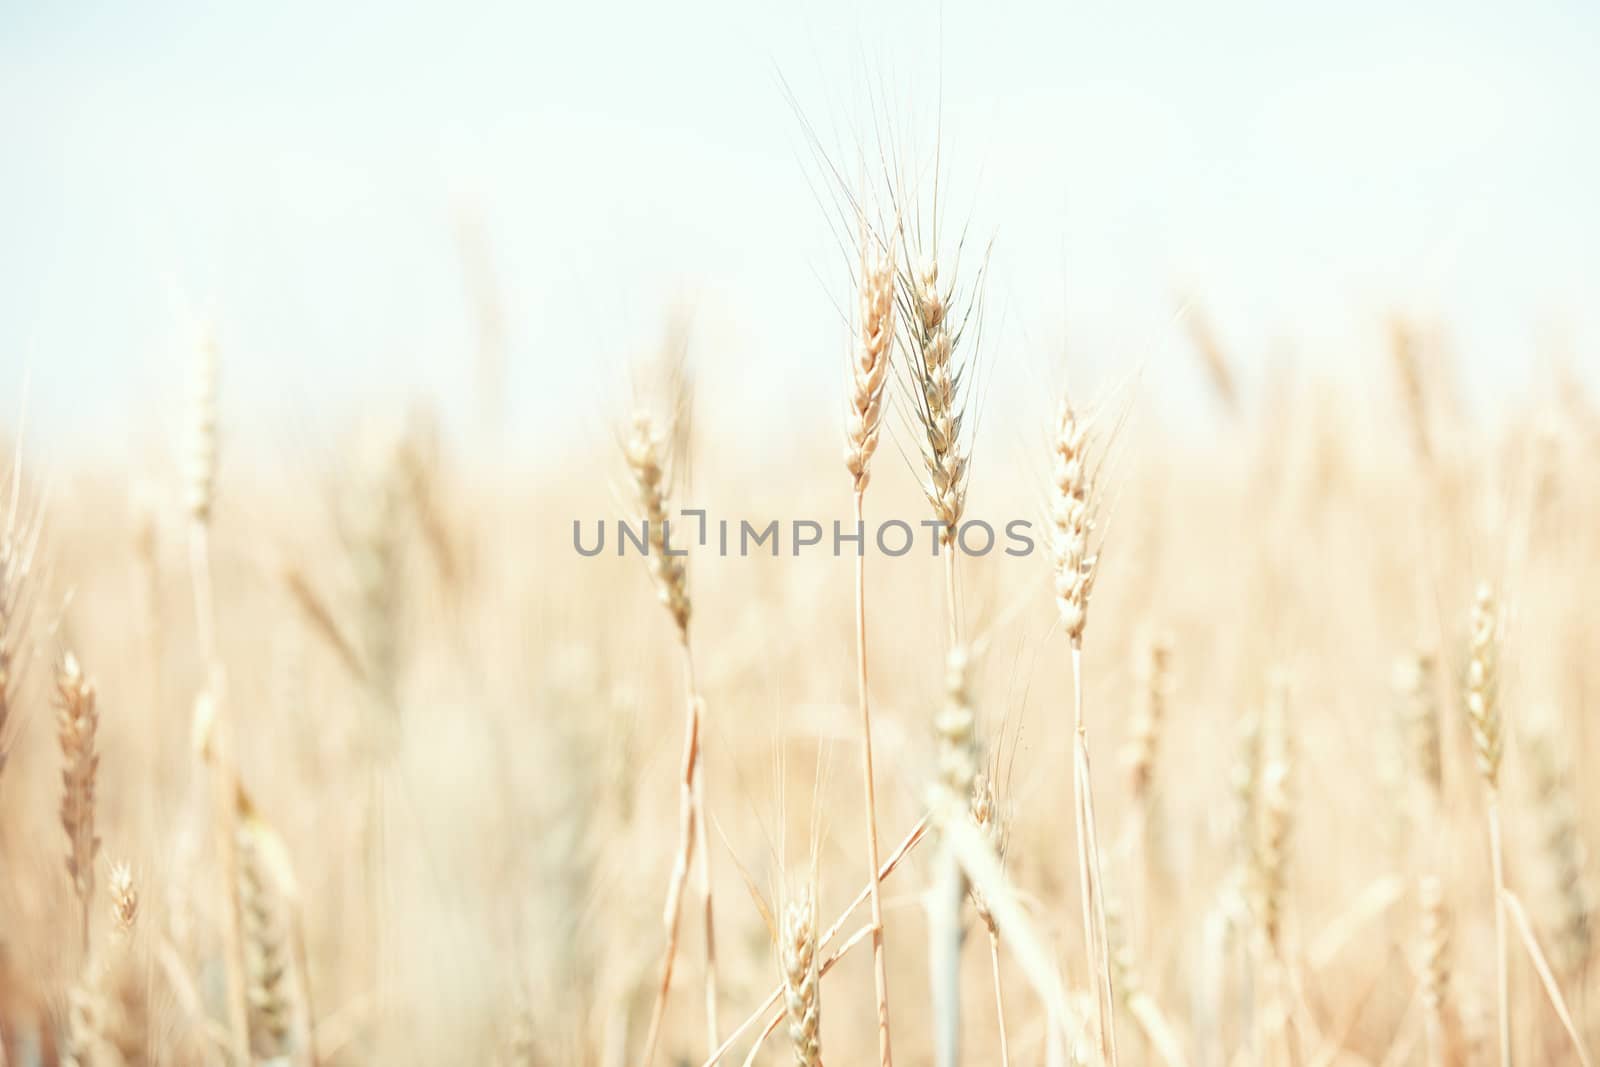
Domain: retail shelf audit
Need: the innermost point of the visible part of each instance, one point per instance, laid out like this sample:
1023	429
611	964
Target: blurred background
334	191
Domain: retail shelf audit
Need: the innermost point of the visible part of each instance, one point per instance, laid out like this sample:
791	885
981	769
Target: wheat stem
999	996
880	973
1089	876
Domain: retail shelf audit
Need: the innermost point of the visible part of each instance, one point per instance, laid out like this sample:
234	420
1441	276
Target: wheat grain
802	982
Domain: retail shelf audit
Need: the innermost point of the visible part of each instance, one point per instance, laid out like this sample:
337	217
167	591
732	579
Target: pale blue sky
293	175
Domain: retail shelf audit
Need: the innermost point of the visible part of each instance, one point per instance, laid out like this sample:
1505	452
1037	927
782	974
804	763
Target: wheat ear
1482	704
1076	562
799	966
19	540
651	471
76	722
869	373
1442	1036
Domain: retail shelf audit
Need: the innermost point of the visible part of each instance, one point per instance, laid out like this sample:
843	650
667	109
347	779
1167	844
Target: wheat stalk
1076	563
869	373
955	728
987	818
651	470
200	472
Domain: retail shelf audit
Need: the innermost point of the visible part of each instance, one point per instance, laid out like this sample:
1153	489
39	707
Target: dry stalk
869	373
1076	562
650	465
212	733
955	727
989	821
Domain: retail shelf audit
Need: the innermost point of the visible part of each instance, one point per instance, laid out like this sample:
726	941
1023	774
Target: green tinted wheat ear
76	722
799	967
200	436
651	478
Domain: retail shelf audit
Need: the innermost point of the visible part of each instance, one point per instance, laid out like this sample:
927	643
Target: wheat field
1268	750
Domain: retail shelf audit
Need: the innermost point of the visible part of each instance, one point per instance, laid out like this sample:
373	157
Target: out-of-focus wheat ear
1482	692
1213	357
1405	351
1153	686
799	969
1481	700
1419	716
651	473
1568	899
420	472
319	618
869	365
1275	812
20	526
200	435
106	1022
77	719
1153	678
1443	1026
375	560
266	954
124	899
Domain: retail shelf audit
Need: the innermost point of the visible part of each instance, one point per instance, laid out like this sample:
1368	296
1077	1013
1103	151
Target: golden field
397	773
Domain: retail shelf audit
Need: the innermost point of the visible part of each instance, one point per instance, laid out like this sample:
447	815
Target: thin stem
1089	876
224	791
1502	978
900	852
999	997
944	954
954	630
673	912
698	796
880	972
